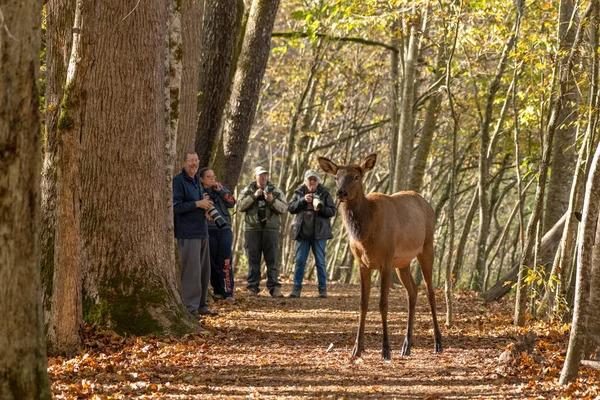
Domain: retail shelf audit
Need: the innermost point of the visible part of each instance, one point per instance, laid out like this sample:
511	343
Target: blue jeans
318	250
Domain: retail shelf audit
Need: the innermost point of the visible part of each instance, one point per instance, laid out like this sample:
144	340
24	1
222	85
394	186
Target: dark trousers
194	259
221	273
258	244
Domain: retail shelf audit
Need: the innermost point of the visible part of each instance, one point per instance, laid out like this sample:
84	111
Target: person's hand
204	204
308	197
218	187
258	193
208	217
269	197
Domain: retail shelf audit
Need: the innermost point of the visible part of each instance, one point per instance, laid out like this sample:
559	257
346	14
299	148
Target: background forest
487	108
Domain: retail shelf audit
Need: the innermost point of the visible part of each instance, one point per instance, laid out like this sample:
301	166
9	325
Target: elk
386	232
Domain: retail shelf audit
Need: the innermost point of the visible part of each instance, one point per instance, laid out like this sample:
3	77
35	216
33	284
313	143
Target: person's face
261	180
311	183
209	179
191	164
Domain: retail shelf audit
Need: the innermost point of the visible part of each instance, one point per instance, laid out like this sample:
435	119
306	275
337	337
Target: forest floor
260	347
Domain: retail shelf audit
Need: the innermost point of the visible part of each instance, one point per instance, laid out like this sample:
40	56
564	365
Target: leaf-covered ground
260	347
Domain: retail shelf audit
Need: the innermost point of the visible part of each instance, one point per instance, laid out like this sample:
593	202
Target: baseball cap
311	173
260	170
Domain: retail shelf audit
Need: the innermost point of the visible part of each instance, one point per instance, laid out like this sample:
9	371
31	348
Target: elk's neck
357	217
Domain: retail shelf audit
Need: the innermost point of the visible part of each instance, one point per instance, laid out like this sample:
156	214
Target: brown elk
386	232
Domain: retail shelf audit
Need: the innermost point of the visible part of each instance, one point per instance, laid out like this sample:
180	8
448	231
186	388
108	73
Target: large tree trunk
192	14
239	114
64	327
222	21
59	23
23	365
129	280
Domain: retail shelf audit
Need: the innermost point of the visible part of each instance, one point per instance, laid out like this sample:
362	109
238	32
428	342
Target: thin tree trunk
129	277
64	327
239	113
464	235
192	13
220	34
23	366
59	23
584	263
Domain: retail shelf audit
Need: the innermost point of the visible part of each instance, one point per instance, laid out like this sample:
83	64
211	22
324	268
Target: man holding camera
313	207
263	203
191	232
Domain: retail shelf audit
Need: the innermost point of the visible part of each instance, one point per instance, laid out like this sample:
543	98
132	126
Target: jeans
258	244
318	249
221	272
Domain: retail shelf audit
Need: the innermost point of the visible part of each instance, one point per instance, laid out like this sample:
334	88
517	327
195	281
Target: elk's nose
342	193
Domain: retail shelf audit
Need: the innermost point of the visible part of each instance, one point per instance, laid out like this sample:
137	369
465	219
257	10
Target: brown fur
386	233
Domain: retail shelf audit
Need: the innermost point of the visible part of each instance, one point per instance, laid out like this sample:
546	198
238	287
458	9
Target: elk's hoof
356	351
437	348
405	349
386	354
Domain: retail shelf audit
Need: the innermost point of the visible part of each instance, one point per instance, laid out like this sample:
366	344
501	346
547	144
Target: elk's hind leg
426	262
411	295
386	281
365	292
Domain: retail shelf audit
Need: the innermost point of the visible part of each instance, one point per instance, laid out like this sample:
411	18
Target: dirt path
299	348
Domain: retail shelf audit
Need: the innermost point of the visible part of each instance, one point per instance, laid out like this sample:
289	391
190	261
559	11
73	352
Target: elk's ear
368	163
328	165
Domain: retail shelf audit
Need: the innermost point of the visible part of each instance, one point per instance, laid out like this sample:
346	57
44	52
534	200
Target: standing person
191	231
220	235
262	202
313	207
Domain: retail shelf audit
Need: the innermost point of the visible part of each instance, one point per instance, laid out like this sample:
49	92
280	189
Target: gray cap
311	173
260	170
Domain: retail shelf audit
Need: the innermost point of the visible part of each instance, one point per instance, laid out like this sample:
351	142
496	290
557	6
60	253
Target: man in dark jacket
313	207
191	231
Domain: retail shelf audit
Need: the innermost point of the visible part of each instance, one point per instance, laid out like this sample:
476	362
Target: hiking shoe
217	296
195	314
295	293
276	292
208	313
322	292
230	299
252	291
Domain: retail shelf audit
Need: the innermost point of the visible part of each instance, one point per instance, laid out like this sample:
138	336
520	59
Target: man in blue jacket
191	232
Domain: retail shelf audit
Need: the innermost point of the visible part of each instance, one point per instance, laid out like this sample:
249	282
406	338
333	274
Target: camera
218	218
269	188
317	202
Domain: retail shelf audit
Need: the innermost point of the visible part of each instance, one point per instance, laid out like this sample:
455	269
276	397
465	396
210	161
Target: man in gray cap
313	207
263	203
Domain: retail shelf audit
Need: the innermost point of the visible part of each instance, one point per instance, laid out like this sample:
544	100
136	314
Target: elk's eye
356	178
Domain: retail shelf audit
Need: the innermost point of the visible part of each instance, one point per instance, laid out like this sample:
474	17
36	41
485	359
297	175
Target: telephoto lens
317	202
269	188
218	218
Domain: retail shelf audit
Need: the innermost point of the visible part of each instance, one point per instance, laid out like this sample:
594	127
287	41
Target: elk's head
348	178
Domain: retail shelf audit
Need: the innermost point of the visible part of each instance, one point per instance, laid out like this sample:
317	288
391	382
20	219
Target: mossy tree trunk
23	373
252	62
222	21
59	24
192	16
64	326
129	282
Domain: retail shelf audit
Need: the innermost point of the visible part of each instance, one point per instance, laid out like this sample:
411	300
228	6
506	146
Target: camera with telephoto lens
217	217
269	189
317	202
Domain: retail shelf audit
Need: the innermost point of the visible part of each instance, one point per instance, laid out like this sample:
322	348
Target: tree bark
192	13
59	23
222	22
23	373
129	278
239	114
64	326
563	150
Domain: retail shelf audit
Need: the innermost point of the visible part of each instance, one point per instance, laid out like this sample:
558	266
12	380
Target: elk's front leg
365	292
